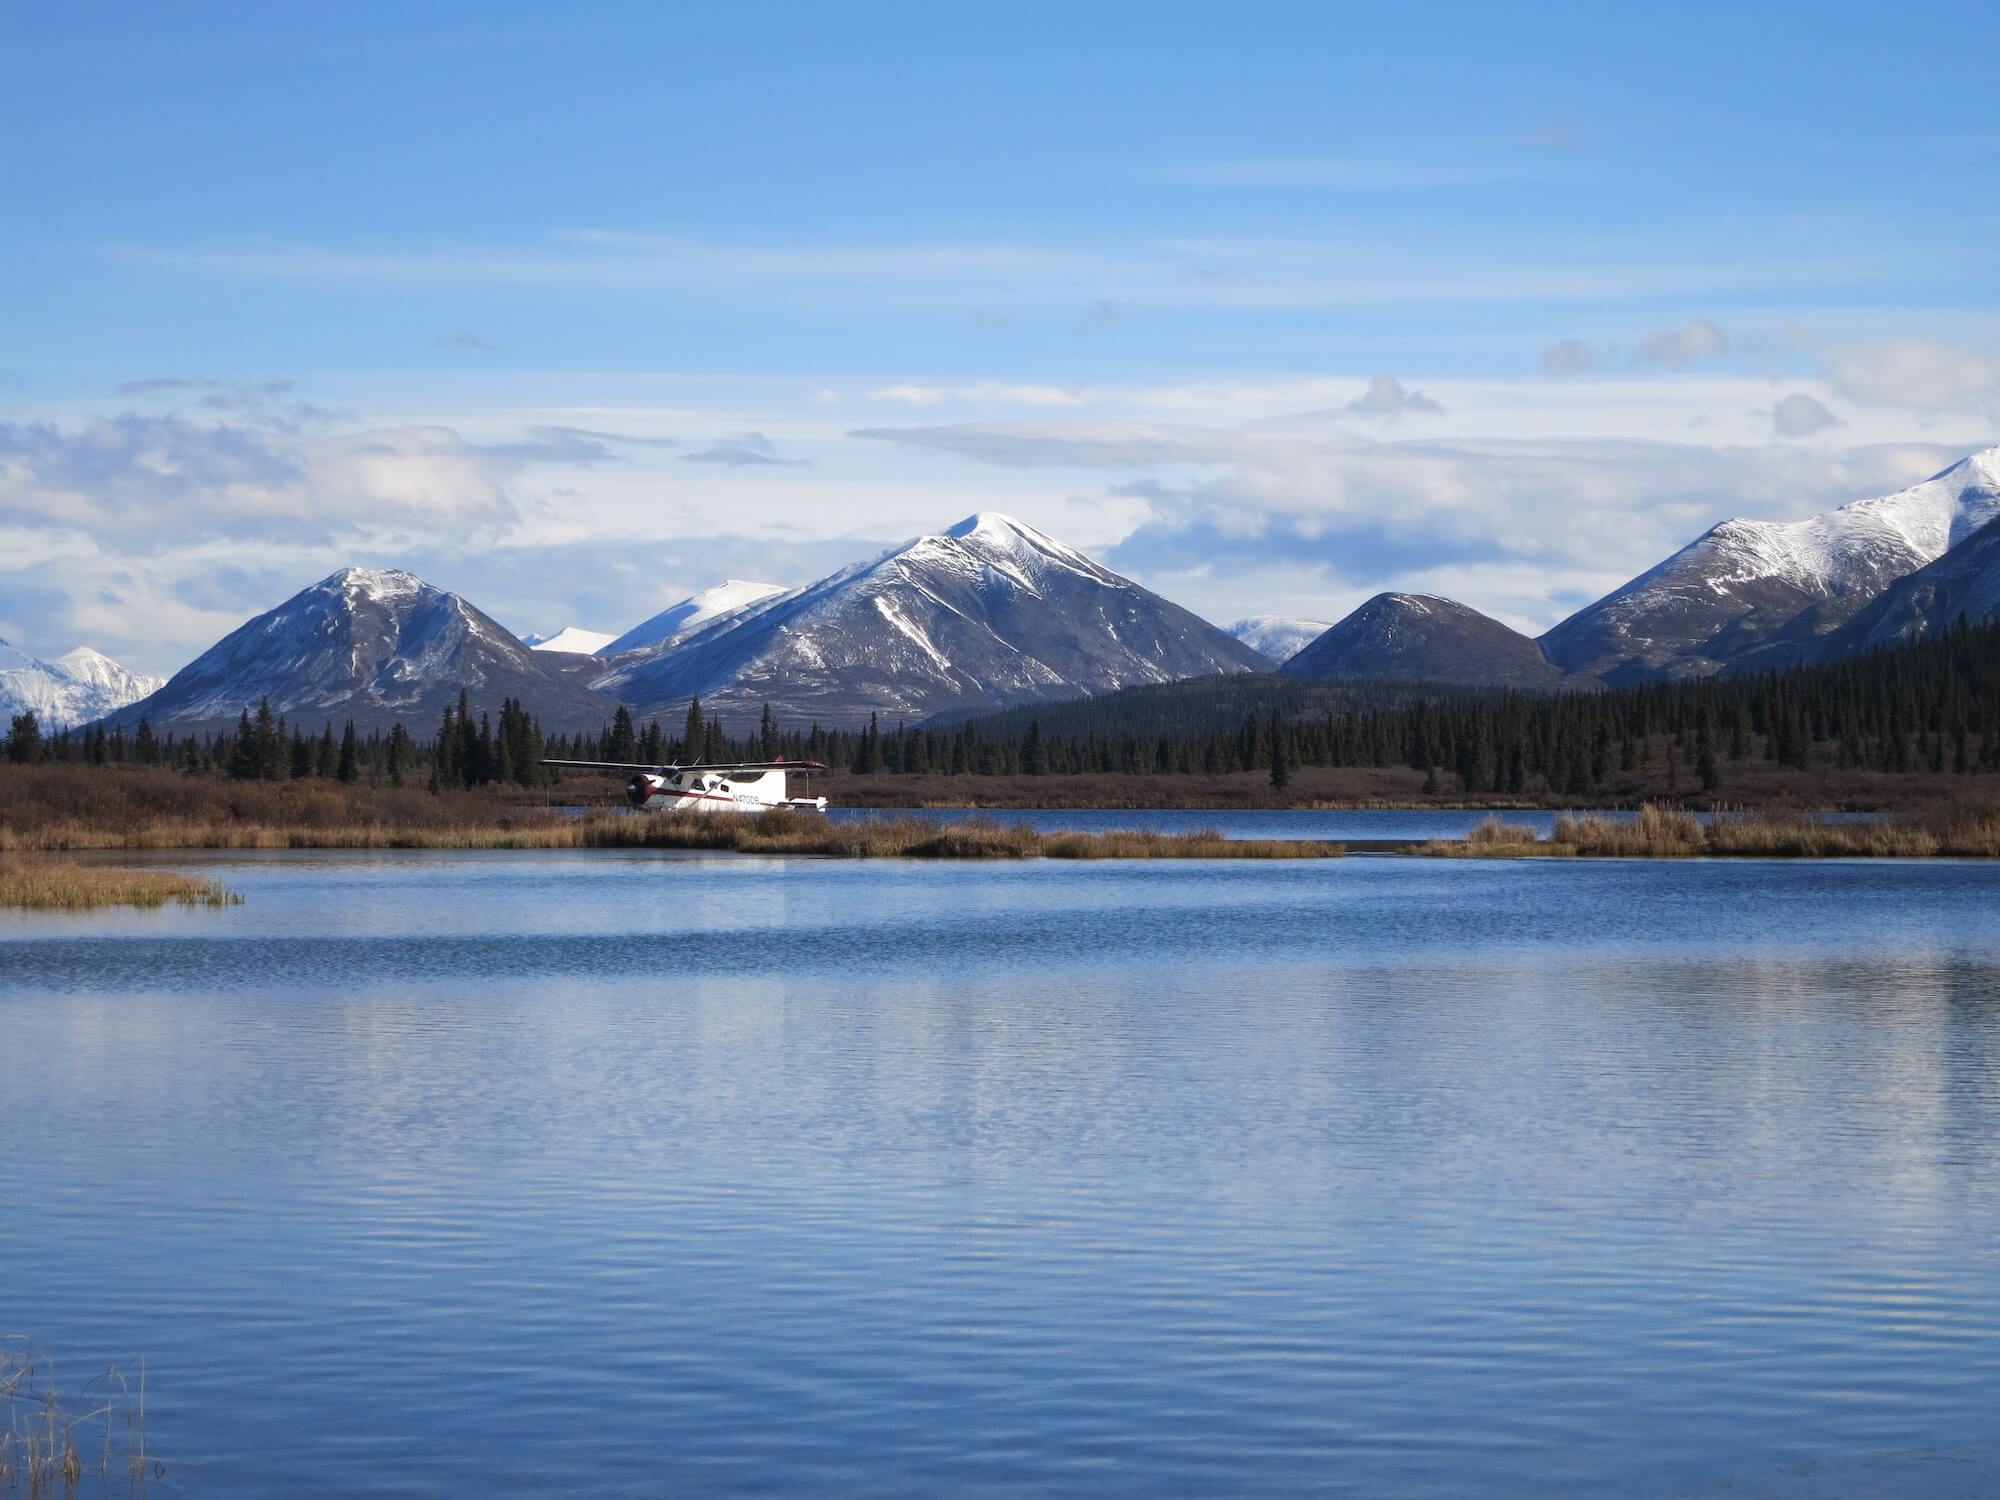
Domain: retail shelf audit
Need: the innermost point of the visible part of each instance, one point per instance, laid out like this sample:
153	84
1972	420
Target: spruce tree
24	738
623	744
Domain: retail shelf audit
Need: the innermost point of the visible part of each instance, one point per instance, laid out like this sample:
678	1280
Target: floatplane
740	786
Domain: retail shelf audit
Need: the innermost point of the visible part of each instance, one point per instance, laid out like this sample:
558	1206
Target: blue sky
1271	307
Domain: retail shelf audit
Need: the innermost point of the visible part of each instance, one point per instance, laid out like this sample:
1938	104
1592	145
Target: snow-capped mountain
694	614
373	645
1280	637
988	614
1965	582
1420	637
571	640
1770	587
78	687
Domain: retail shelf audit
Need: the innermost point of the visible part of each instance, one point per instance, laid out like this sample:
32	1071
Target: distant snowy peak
376	645
1280	637
692	615
1766	590
983	614
571	640
76	688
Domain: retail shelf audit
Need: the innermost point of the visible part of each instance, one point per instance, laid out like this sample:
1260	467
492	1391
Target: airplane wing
724	766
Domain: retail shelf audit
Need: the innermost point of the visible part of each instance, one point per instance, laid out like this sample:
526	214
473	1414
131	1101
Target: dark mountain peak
985	614
1423	637
376	645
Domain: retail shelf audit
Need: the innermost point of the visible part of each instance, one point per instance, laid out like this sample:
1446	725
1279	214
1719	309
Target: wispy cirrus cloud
746	448
1229	273
1006	395
1366	172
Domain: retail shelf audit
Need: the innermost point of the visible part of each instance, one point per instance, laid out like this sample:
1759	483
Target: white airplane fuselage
693	789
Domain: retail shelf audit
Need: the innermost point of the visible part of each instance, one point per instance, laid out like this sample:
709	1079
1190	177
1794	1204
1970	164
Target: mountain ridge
379	646
986	613
1747	586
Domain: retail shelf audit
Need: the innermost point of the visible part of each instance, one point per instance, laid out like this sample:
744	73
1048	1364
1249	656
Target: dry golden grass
64	885
1491	839
1673	833
1656	832
921	838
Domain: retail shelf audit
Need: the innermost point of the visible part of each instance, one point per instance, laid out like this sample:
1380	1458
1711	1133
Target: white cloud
1386	397
137	483
1799	415
1572	513
1917	374
1568	357
1698	338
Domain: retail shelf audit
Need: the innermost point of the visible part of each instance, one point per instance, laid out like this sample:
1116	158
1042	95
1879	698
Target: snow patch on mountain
692	615
571	640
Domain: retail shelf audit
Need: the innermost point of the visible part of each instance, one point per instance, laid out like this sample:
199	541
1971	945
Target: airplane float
742	786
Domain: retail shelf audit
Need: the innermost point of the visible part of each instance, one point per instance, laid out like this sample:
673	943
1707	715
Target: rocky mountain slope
692	615
1772	587
374	645
1279	637
1420	637
985	615
78	687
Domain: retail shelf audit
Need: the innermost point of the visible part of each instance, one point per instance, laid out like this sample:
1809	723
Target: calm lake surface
629	1173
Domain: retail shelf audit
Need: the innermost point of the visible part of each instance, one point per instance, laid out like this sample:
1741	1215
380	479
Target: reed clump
64	885
1657	832
1674	833
48	1445
1490	839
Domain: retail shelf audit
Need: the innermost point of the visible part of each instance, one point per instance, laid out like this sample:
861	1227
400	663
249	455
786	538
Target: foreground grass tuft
63	885
47	1445
1673	833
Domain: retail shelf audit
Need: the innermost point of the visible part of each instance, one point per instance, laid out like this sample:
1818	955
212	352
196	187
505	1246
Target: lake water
635	1174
